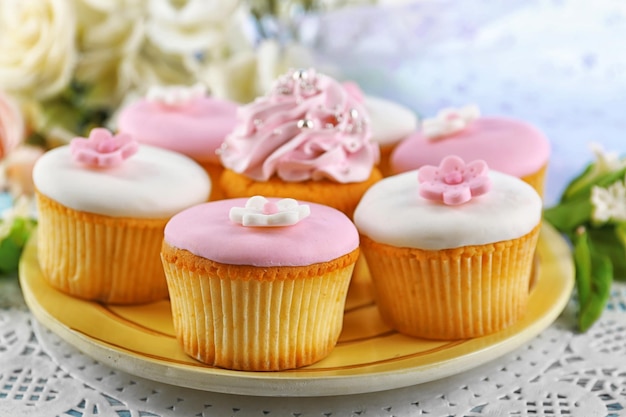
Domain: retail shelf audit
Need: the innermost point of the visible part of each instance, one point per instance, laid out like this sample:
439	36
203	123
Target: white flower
175	95
111	6
448	121
260	211
149	65
606	162
609	204
250	73
105	38
37	44
189	26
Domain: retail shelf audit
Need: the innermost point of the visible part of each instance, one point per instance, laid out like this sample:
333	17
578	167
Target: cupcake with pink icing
308	139
103	202
259	284
508	145
183	119
450	248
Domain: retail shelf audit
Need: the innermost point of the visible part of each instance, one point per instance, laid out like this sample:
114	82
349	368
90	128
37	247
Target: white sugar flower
175	95
609	204
449	121
259	211
37	40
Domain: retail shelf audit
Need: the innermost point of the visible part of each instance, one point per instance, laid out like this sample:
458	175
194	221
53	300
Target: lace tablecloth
559	64
559	373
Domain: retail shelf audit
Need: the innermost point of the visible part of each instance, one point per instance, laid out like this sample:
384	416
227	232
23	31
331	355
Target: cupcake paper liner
107	259
454	293
271	322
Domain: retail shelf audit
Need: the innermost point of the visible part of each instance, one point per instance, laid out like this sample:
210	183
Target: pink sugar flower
102	149
453	182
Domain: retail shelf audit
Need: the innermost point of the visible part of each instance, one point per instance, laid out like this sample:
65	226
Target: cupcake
507	145
184	120
103	203
259	284
450	248
391	123
308	139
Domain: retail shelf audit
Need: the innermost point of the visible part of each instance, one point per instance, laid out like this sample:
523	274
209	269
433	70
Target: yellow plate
369	356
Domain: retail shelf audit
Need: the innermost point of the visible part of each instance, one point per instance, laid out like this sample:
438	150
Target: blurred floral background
69	65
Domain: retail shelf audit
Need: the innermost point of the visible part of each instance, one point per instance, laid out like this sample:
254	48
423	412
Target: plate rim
293	384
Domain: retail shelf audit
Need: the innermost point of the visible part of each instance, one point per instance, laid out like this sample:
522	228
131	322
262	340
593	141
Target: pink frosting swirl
453	182
309	127
102	149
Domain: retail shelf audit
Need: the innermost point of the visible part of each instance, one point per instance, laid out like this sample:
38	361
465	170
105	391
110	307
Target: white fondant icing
153	183
390	122
392	212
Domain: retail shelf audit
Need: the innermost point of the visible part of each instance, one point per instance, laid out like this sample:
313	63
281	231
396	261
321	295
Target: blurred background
559	64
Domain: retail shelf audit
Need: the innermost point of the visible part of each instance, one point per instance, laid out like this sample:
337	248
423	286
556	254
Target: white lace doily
559	373
571	84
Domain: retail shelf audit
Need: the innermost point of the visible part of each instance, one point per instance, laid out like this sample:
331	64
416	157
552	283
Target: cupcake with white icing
103	203
259	284
450	248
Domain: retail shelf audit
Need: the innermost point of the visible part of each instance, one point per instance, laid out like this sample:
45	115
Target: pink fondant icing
196	129
307	128
206	230
506	145
103	149
453	182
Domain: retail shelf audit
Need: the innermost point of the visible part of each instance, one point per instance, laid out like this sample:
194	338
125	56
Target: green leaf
582	262
579	182
617	250
568	216
580	187
594	276
601	280
9	256
12	245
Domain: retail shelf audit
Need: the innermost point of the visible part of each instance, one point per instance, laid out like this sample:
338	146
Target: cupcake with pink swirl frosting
308	139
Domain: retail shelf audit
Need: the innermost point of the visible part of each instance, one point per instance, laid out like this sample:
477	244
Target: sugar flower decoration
103	149
175	95
609	204
449	121
259	211
453	182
